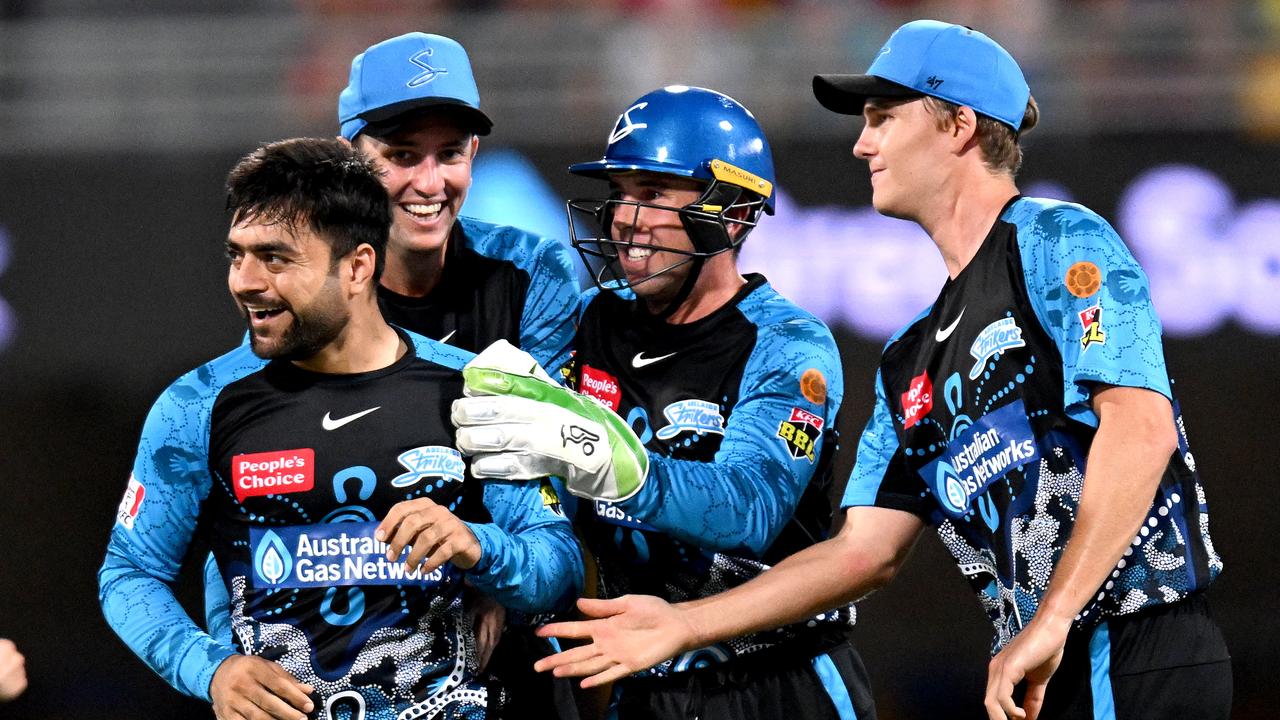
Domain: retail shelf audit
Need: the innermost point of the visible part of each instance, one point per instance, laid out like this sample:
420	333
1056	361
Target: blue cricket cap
927	57
409	72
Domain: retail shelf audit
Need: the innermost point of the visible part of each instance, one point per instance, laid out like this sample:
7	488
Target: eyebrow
270	246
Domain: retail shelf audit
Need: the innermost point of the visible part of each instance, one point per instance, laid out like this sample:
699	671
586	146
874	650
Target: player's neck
960	217
413	273
367	343
718	282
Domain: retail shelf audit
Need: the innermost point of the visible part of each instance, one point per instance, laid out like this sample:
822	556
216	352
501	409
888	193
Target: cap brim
387	119
846	94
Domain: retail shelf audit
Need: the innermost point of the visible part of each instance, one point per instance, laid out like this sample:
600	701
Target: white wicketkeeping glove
520	425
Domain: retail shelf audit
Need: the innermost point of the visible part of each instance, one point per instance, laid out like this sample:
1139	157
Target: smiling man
412	106
319	464
725	396
1026	415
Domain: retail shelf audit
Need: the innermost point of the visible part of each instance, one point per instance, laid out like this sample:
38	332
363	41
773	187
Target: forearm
536	570
1126	461
723	506
818	578
145	614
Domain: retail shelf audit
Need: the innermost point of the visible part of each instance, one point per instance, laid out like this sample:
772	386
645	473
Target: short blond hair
1001	151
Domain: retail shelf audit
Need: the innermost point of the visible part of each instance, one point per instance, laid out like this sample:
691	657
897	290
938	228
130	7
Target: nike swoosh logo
445	339
640	360
335	423
945	332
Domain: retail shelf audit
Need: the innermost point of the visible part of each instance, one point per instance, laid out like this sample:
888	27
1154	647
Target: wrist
699	623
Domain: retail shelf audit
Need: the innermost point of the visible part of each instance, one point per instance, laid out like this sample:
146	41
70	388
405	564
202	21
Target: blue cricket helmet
690	132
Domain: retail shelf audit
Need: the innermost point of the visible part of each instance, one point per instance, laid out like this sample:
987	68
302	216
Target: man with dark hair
1027	416
285	452
413	108
729	393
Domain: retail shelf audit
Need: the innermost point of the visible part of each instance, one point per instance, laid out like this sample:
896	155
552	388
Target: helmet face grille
707	221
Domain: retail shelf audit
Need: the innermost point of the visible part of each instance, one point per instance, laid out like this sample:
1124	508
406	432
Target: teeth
635	252
421	209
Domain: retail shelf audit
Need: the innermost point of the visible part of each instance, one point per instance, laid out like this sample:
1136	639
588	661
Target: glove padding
518	424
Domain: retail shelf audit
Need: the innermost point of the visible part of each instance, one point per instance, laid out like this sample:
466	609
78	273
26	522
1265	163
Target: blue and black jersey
737	411
499	283
983	419
287	474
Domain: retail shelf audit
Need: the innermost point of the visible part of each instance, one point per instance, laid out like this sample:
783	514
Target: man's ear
359	266
964	129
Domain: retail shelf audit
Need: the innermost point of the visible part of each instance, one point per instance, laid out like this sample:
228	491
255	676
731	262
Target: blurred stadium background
119	120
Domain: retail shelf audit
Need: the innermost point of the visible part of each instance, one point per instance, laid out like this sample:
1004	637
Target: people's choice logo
273	473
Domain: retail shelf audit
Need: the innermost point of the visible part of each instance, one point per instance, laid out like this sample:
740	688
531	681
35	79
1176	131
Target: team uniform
499	283
982	428
286	473
737	411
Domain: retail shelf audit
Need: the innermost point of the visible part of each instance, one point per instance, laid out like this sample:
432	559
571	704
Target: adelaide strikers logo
625	125
428	73
429	461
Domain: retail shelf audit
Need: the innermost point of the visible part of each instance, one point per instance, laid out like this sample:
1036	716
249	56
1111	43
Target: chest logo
799	432
333	554
640	360
273	473
329	423
917	401
429	461
944	333
1001	335
601	386
996	444
699	416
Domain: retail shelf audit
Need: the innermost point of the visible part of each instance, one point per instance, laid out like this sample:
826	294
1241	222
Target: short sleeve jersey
499	283
288	472
983	420
737	411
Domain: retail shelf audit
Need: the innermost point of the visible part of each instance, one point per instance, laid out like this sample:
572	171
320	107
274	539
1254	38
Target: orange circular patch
813	385
1083	279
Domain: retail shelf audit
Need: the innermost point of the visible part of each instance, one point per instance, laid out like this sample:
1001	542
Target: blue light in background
8	321
1210	260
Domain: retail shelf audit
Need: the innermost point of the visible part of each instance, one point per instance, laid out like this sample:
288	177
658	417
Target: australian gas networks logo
996	444
309	556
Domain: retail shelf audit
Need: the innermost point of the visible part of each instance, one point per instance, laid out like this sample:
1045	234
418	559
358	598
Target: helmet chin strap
686	289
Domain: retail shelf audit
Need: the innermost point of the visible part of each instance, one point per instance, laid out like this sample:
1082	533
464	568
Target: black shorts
529	694
1166	662
831	685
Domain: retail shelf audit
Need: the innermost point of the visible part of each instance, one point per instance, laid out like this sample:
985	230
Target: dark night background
117	280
